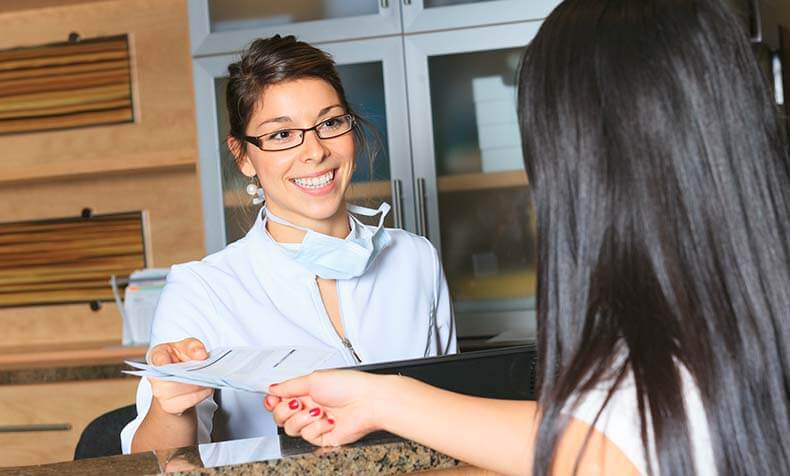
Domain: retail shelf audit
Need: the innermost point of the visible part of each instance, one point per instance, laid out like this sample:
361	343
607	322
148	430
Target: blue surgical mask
335	258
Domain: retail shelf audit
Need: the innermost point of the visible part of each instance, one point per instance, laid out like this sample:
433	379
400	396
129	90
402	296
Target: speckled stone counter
377	454
62	374
48	365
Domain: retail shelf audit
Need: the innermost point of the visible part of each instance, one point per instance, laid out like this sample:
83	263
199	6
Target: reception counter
63	397
379	453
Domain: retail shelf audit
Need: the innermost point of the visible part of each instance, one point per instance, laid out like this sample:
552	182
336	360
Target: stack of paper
139	303
240	368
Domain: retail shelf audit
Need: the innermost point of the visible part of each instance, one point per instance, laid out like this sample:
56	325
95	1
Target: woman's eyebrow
283	119
328	108
275	119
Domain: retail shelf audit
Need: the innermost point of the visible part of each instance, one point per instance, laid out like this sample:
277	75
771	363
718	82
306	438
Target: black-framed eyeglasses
284	139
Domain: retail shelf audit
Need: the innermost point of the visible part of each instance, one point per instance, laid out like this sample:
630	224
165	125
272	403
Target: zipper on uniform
346	343
350	347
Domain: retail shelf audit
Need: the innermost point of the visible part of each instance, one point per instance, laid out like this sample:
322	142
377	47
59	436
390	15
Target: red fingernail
274	385
330	421
293	404
315	412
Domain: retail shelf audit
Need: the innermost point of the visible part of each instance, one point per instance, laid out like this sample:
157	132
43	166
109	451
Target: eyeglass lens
287	138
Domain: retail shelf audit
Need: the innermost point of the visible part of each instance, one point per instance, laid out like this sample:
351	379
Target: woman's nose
313	149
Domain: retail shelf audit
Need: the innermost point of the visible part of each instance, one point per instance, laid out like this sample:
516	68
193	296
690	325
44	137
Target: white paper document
240	368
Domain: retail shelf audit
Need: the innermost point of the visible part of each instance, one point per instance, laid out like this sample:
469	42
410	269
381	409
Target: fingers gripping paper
239	368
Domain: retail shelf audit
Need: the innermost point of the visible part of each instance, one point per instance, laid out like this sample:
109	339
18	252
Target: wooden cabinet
75	403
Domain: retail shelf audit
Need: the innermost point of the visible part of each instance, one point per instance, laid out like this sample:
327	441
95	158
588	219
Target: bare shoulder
600	456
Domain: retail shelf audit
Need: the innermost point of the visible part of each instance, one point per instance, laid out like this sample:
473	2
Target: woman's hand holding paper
174	397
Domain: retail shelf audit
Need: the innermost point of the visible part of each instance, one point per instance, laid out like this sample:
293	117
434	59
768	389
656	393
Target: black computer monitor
507	373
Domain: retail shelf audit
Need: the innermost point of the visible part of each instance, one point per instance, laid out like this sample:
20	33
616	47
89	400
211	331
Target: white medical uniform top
253	294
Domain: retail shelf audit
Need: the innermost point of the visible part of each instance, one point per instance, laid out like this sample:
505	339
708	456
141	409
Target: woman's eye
331	123
279	135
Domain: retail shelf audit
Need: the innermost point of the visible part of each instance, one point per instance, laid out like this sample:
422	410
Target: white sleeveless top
619	421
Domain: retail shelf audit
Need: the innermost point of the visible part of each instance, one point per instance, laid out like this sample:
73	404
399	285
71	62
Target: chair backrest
102	436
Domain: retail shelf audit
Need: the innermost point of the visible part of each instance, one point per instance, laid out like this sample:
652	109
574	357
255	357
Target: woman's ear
243	162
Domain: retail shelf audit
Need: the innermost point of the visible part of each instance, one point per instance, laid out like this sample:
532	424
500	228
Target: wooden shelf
368	190
482	181
88	167
31	356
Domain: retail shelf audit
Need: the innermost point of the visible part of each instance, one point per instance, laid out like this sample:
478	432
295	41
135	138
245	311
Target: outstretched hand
174	397
345	400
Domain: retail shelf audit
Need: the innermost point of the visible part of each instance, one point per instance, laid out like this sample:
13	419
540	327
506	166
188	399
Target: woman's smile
319	183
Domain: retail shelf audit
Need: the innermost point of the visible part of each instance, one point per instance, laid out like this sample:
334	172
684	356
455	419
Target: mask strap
271	216
384	209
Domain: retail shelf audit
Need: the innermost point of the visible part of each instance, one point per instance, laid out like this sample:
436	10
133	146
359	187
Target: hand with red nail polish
293	413
341	408
270	401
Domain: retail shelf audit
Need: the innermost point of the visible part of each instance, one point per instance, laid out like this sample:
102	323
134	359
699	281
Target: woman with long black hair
662	187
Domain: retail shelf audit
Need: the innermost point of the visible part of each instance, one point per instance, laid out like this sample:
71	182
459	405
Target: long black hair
661	183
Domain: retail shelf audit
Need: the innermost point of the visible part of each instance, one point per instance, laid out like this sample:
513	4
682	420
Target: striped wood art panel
69	260
65	85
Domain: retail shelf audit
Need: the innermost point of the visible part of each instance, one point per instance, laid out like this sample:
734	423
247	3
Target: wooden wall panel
149	164
172	198
162	81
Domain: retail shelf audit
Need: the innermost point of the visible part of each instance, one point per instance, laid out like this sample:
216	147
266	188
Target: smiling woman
307	273
304	158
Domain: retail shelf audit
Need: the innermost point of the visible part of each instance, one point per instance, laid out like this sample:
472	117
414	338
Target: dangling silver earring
255	191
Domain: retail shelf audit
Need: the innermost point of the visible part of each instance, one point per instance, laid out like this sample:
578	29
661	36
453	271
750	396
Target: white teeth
315	182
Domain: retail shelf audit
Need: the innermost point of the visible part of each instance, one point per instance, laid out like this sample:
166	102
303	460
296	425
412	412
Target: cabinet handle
422	218
407	2
384	3
397	203
35	427
756	22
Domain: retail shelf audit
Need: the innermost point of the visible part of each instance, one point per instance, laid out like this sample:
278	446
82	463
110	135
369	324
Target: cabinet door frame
207	69
418	48
417	18
473	318
205	42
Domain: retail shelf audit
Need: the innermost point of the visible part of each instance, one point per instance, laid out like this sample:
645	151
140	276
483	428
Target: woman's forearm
493	434
160	429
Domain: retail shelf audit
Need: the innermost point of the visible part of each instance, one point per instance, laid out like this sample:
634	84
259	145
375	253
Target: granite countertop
380	453
63	374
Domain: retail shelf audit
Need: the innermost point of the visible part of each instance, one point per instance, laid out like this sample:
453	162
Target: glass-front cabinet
222	26
437	80
466	149
432	15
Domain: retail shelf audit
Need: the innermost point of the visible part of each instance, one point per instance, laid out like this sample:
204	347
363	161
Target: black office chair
102	436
